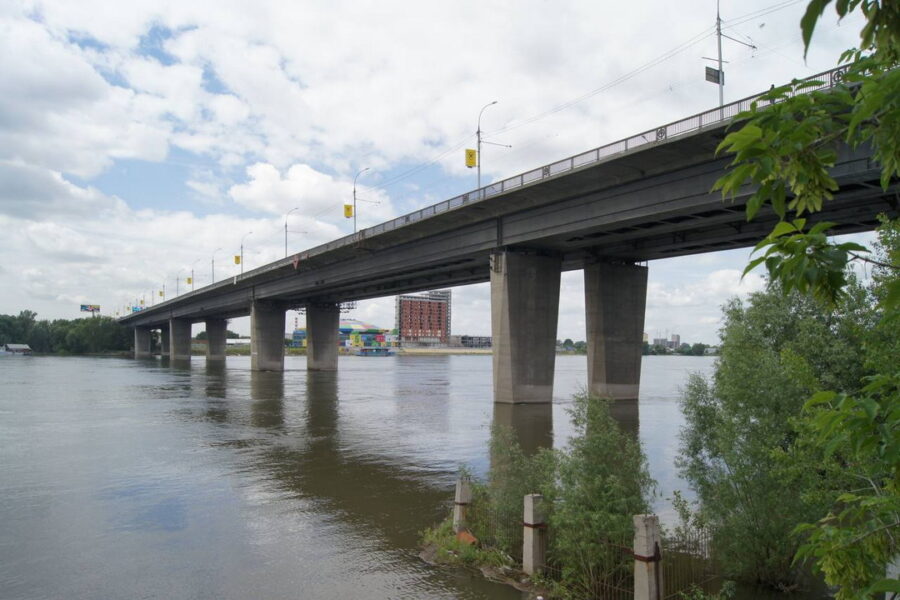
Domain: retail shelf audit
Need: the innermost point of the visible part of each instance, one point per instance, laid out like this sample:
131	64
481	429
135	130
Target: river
136	479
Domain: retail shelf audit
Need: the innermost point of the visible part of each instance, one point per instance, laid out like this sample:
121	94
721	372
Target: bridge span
606	211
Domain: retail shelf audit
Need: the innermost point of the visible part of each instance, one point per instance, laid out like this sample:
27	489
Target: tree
785	148
698	349
738	446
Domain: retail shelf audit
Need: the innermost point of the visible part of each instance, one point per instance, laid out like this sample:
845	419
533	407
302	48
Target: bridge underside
605	219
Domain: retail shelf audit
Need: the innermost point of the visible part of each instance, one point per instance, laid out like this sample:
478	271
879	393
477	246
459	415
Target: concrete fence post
461	502
648	576
534	535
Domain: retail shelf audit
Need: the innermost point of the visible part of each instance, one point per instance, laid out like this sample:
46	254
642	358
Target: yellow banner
189	280
237	259
471	158
348	210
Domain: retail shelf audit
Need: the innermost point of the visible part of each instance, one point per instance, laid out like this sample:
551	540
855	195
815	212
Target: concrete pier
142	339
164	345
266	336
524	314
180	338
615	299
215	339
322	322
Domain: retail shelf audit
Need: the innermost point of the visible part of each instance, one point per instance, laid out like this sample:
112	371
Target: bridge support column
142	342
524	315
615	299
322	322
180	337
266	336
164	345
215	339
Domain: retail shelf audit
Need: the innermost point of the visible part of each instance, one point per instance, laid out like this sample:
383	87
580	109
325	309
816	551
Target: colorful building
356	337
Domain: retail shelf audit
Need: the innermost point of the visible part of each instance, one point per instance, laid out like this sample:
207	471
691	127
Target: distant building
352	333
475	341
22	349
661	342
646	338
424	319
675	342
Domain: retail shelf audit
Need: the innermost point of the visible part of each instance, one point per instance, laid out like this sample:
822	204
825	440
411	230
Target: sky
143	141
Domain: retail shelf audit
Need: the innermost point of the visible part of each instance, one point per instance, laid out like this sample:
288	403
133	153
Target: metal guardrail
659	135
602	154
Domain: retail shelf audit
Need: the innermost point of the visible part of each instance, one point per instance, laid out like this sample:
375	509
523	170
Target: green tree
776	351
698	349
786	150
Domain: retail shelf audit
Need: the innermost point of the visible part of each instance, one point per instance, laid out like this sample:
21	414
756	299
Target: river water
137	479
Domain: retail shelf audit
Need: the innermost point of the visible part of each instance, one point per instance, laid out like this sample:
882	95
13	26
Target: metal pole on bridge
354	196
213	274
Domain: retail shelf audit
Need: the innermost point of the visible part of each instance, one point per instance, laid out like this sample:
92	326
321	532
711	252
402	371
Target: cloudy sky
139	140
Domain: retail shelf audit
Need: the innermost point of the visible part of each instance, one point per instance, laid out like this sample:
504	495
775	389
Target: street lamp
478	136
285	228
242	250
354	197
213	274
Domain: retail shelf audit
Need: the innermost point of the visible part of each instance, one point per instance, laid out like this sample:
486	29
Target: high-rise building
424	318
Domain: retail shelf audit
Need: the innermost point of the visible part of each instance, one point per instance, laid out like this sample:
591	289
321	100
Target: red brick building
424	318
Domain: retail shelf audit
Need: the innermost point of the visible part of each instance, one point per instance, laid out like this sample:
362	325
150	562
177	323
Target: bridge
606	211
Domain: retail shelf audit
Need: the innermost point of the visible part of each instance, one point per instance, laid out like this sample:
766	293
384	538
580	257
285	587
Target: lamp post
285	228
213	274
242	250
354	197
478	136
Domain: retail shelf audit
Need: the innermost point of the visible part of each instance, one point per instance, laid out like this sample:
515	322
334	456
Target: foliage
739	444
853	544
791	138
858	435
588	498
77	336
696	593
786	148
449	550
595	498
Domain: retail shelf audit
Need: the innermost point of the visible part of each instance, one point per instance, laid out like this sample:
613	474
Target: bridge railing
659	135
601	154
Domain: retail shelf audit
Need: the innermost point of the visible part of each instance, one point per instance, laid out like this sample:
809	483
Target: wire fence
688	562
603	569
498	529
604	572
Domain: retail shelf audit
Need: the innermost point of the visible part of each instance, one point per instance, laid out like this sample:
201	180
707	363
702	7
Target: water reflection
321	405
627	414
532	424
267	395
215	390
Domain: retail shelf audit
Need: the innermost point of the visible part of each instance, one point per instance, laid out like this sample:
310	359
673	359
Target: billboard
91	308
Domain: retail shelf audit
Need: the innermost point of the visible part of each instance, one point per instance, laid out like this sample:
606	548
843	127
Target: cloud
34	193
315	193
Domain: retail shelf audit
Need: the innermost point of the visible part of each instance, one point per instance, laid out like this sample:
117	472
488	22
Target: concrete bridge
606	211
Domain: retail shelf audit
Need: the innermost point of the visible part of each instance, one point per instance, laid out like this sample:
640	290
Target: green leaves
805	261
